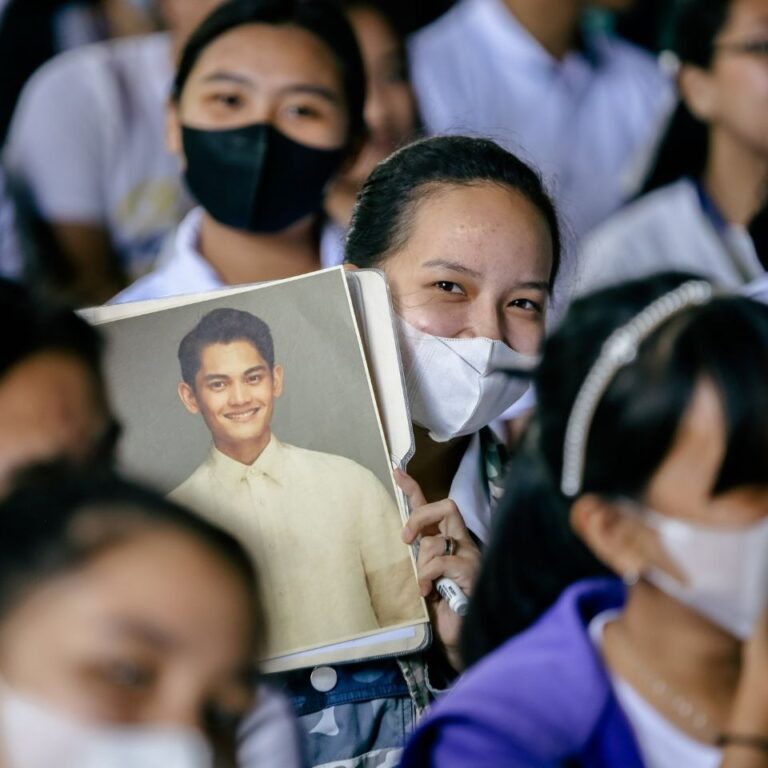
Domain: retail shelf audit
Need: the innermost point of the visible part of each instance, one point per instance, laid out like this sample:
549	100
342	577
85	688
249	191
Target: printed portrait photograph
256	411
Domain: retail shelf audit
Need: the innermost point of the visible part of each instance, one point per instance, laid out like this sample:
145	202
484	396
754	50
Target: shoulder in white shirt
666	230
88	140
182	269
584	121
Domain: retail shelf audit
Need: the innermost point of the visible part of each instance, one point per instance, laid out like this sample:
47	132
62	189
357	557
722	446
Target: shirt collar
186	269
469	490
709	208
513	43
270	464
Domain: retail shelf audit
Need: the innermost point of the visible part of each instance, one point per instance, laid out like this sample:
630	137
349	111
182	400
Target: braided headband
619	349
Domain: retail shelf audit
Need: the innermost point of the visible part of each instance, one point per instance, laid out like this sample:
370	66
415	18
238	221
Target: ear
173	131
187	396
618	539
697	89
277	381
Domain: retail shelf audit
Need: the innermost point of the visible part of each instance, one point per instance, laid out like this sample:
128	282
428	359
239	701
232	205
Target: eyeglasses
749	47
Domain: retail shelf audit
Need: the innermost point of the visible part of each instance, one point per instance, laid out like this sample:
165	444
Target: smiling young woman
469	242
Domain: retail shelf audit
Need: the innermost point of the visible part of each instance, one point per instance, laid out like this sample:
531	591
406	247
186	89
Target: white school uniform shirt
586	122
667	229
182	269
88	142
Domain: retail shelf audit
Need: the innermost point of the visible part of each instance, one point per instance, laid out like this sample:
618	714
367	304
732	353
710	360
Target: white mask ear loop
619	350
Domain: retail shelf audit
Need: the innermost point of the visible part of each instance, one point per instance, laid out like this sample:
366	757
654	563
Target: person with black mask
267	106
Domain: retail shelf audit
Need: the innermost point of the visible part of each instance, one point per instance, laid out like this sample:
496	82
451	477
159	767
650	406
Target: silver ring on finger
449	549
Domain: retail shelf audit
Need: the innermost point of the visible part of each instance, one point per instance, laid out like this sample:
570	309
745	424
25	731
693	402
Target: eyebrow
228	77
538	285
314	90
254	369
144	633
454	266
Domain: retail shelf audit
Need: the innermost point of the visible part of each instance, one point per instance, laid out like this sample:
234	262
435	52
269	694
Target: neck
554	23
693	656
243	257
434	465
735	178
245	452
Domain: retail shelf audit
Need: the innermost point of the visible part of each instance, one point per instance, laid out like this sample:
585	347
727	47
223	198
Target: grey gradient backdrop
326	405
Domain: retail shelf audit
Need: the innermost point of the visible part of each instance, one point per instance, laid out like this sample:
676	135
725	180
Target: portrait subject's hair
223	326
322	18
386	205
534	554
57	520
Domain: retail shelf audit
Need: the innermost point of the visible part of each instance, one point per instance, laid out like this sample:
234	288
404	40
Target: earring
630	577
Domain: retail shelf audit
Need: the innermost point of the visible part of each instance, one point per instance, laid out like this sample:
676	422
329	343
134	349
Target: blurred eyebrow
143	633
228	77
215	376
312	90
255	369
454	266
536	285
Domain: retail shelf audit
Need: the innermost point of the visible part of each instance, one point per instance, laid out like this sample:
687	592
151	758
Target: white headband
619	350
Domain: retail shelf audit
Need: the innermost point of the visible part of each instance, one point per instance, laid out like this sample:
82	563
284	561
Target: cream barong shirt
325	534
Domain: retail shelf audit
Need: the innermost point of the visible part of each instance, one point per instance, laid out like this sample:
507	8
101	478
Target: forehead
50	405
487	226
226	357
280	55
135	583
748	16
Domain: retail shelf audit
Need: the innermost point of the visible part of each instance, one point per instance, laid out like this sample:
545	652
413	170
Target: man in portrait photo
322	528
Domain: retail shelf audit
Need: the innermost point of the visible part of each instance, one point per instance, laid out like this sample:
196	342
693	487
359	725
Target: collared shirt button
323	679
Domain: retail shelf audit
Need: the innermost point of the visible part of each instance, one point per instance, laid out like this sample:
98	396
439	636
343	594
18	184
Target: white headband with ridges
619	350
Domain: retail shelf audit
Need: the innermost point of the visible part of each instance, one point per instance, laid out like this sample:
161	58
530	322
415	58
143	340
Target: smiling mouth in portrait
242	415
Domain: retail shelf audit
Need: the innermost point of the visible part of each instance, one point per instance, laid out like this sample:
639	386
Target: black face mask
255	178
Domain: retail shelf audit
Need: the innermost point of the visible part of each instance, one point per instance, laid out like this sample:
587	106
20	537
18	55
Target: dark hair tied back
685	144
385	207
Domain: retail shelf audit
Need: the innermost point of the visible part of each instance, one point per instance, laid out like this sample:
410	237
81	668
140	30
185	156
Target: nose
239	393
177	704
485	320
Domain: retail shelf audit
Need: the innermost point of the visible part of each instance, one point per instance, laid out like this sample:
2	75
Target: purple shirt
541	699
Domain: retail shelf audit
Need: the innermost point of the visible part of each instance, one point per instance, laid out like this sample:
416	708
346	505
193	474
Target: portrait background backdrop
327	404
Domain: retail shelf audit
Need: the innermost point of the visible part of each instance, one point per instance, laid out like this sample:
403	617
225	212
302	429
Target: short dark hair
386	204
223	326
33	325
322	18
534	554
56	520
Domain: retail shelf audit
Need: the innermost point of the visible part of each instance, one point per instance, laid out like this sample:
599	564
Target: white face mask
726	570
34	736
457	386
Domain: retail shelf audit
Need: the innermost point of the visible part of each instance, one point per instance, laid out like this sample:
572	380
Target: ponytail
682	152
532	558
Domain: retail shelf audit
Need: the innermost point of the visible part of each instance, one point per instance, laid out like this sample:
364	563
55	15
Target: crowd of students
583	218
